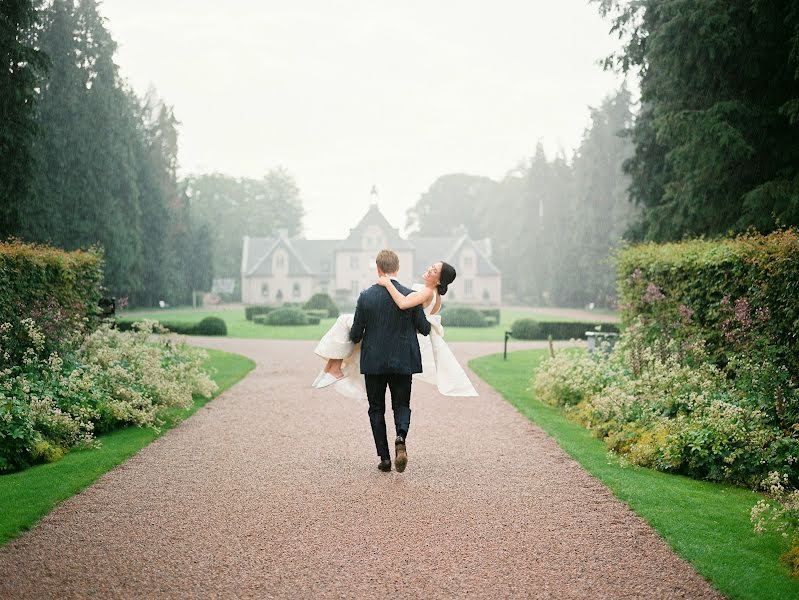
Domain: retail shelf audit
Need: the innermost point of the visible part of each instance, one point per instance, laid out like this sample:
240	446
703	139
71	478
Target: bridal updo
446	277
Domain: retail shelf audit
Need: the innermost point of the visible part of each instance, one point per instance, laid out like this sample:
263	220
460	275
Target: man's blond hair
387	261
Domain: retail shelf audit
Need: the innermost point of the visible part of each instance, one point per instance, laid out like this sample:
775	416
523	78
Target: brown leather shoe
401	454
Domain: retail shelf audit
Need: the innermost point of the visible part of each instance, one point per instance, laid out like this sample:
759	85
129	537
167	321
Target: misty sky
354	92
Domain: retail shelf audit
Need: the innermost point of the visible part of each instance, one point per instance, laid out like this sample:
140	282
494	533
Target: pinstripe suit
389	356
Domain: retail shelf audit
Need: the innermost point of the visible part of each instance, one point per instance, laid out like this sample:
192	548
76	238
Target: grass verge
27	496
705	523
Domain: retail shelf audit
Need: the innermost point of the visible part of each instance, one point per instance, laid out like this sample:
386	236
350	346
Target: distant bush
287	316
323	302
211	326
208	326
252	311
314	320
260	319
530	329
463	316
491	313
319	313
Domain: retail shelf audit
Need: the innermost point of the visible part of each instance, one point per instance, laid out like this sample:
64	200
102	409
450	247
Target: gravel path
272	491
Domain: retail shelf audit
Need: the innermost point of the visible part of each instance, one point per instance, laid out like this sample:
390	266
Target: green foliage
705	523
252	311
211	326
21	66
462	316
26	496
715	143
57	291
241	206
287	316
530	329
56	402
101	167
323	302
552	222
491	313
667	414
732	290
320	313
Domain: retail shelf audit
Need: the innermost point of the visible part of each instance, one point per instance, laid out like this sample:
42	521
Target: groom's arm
358	322
420	320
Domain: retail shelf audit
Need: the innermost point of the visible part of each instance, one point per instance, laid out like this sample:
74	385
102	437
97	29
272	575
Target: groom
389	357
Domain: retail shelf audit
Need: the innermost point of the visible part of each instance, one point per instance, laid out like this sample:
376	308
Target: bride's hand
384	280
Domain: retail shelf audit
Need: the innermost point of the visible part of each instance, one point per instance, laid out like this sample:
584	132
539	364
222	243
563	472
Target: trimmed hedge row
530	329
55	288
463	316
208	326
707	277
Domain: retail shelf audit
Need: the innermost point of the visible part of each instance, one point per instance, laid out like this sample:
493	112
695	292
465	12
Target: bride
439	365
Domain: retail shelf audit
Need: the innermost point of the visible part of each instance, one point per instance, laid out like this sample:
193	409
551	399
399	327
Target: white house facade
279	269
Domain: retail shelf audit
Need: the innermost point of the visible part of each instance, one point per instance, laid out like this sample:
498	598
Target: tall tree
21	66
238	207
716	143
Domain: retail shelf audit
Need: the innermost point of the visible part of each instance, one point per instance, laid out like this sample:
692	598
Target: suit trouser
400	387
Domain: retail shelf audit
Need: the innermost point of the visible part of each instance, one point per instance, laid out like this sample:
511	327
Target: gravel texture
272	491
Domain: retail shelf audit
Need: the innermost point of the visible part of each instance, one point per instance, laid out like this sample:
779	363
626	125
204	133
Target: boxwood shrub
211	326
252	311
287	316
530	329
208	326
323	302
463	316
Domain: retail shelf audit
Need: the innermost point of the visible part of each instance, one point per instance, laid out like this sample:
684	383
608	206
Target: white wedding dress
439	365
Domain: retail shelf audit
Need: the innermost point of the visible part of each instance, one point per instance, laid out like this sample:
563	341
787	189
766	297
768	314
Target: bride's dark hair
446	277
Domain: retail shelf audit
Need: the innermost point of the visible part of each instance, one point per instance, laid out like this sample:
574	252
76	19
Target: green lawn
27	496
706	523
240	327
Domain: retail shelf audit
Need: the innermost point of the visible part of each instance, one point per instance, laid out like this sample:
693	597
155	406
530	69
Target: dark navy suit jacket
388	333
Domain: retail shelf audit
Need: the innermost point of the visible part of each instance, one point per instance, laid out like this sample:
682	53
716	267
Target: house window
296	291
279	296
265	290
356	288
486	296
467	260
468	287
280	261
325	266
353	262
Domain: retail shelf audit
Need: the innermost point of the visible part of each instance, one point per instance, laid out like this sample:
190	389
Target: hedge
463	316
252	311
706	277
530	329
287	316
55	288
323	302
208	326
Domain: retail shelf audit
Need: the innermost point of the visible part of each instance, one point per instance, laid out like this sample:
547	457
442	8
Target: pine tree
21	68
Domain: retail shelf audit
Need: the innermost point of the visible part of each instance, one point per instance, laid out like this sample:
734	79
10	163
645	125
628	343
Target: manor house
280	269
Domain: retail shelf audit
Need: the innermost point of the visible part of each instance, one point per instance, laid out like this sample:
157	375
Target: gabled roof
258	253
374	217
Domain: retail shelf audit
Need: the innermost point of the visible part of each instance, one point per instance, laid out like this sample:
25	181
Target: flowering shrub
780	513
50	403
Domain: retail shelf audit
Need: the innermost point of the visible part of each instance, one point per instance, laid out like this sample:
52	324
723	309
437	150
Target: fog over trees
553	221
710	149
